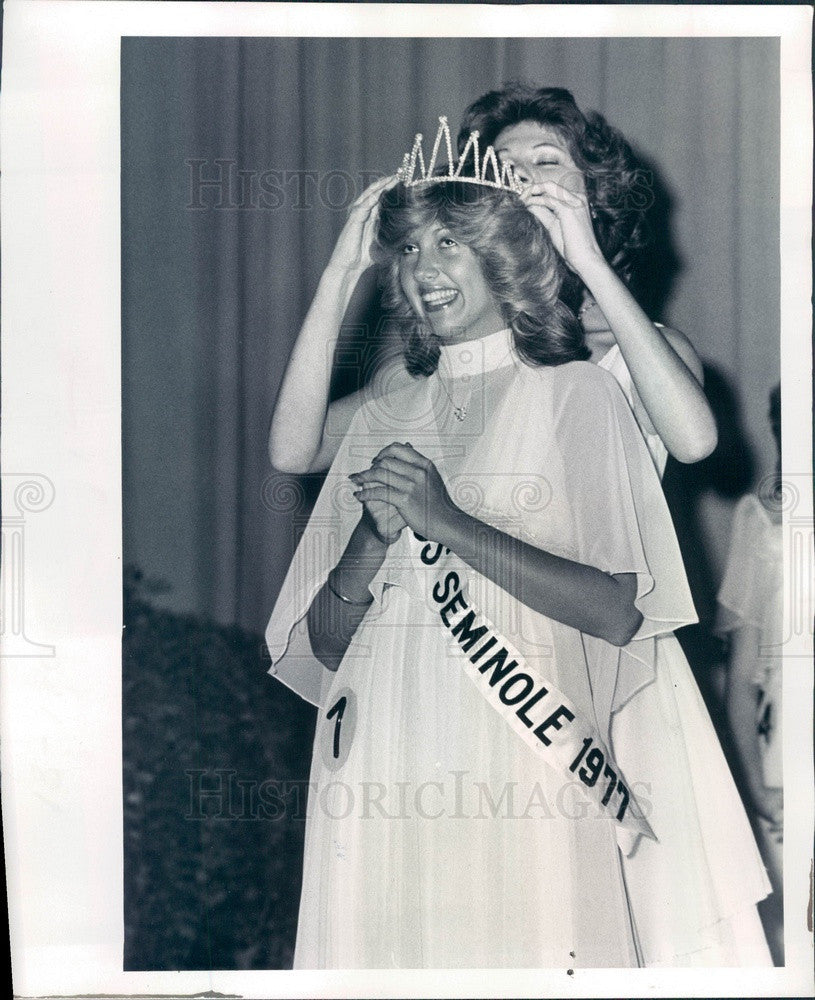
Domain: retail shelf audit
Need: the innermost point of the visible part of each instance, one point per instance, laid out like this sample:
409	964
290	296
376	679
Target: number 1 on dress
338	708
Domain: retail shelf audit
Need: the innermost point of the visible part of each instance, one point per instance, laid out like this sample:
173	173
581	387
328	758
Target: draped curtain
239	159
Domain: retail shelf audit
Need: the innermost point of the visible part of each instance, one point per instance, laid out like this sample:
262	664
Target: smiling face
538	153
445	285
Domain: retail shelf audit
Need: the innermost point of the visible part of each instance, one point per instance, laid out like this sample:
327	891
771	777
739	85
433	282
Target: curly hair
618	189
520	265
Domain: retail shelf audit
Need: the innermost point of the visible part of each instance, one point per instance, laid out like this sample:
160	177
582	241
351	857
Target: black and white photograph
425	442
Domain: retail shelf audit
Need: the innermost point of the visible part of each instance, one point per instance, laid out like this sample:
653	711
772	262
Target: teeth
439	298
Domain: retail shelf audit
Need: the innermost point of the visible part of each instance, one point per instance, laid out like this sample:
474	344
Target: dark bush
210	881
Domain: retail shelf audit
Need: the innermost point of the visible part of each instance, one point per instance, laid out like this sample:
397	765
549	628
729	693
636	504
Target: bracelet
347	600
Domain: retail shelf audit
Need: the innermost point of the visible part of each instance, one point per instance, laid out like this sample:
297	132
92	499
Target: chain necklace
459	411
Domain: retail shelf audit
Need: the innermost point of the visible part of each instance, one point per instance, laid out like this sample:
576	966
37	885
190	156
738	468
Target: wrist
592	267
453	528
368	540
341	273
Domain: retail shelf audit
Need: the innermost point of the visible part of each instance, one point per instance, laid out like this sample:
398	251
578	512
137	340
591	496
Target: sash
541	715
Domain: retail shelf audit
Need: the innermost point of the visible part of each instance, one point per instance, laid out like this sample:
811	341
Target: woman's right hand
353	249
383	519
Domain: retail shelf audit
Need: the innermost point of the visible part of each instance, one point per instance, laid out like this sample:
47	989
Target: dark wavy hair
522	269
618	189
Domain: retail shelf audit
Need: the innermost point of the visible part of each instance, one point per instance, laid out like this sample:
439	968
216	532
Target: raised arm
300	438
664	367
663	364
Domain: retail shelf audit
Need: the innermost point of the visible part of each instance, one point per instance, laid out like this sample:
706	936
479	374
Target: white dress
752	593
436	837
701	824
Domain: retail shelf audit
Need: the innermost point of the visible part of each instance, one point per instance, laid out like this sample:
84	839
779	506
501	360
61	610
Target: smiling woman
440	282
462	261
472	608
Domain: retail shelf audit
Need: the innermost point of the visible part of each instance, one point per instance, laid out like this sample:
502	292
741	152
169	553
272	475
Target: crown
486	169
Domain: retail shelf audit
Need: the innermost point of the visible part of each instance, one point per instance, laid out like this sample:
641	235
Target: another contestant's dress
752	595
436	837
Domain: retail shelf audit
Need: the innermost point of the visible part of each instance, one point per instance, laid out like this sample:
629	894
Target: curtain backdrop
216	278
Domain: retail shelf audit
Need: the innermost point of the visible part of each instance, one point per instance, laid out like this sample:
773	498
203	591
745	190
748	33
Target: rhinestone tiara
485	167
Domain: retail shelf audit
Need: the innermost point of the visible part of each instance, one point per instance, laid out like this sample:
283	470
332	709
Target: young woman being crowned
474	607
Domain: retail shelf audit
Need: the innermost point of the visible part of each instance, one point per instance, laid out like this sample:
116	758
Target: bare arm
570	592
339	607
298	441
300	411
664	367
333	619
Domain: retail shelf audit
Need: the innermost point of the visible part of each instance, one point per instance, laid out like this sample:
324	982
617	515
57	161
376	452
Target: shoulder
747	505
751	516
573	375
393	395
577	388
748	509
390	374
585	380
748	528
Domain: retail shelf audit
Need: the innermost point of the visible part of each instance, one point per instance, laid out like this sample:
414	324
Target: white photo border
60	714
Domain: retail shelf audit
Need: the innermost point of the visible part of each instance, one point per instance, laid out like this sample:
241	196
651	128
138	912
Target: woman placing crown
470	606
579	179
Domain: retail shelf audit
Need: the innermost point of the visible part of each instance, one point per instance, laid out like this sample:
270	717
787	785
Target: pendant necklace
459	411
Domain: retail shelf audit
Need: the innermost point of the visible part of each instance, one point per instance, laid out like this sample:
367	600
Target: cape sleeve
614	362
324	539
621	524
376	424
742	594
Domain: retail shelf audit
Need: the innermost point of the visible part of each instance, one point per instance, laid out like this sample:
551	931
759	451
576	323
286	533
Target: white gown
436	837
752	594
698	822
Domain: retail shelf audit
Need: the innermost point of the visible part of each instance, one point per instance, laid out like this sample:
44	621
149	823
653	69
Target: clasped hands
402	489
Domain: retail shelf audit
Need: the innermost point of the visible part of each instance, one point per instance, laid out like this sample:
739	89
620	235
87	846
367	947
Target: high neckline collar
473	357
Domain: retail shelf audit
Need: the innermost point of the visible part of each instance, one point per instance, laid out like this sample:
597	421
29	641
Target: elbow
702	446
623	629
287	460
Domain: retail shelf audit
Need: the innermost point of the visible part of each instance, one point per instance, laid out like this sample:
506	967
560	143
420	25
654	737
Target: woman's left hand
402	476
567	218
